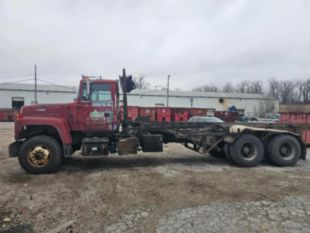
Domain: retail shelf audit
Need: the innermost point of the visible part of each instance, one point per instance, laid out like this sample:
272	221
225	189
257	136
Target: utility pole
168	86
35	85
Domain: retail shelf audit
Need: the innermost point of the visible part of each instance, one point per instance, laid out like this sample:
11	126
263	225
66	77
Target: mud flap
67	150
14	149
304	152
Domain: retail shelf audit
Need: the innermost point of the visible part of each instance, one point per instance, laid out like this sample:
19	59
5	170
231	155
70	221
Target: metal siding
43	97
252	107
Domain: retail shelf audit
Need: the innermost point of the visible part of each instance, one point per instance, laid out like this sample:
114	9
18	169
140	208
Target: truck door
97	107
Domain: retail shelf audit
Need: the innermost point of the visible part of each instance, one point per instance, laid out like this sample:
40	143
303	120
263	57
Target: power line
45	79
51	77
52	83
17	81
14	76
3	76
35	85
40	79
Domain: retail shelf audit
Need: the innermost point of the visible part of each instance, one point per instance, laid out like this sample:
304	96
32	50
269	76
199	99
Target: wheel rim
287	151
38	156
248	151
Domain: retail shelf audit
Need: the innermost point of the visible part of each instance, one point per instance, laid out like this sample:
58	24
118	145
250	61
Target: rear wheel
246	151
40	154
284	150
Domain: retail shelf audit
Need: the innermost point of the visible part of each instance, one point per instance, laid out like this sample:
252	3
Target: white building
16	95
252	104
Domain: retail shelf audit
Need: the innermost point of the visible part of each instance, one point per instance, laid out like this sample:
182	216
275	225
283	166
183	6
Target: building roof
197	94
40	87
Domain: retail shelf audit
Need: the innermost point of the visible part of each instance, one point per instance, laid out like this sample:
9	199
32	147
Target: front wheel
40	154
284	150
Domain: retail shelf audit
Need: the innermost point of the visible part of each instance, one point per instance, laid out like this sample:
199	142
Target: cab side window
100	92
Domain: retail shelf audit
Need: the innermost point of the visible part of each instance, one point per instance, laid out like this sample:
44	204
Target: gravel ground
174	191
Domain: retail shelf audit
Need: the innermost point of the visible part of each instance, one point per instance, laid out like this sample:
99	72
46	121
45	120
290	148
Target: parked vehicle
247	119
206	119
45	134
271	118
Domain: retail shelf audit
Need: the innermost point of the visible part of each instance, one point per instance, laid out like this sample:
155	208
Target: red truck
47	133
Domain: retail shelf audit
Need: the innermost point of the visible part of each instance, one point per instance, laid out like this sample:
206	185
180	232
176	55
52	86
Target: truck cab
95	109
97	106
88	123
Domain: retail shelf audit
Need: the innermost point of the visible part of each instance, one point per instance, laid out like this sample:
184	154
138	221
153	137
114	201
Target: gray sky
197	42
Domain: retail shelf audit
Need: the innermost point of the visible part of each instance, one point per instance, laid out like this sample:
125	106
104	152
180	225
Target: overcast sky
195	41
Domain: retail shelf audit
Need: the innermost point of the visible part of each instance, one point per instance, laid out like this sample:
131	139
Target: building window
221	100
18	102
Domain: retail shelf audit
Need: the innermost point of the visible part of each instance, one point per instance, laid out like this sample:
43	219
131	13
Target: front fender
59	124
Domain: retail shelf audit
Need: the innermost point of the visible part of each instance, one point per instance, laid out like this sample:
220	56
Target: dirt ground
174	191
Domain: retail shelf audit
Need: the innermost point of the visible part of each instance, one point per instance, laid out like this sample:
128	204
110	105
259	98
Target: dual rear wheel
284	150
248	150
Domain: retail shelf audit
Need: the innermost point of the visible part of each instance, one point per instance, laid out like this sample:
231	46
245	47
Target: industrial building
250	104
17	95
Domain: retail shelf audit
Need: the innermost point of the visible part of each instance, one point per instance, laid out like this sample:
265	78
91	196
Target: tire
40	154
284	150
227	152
247	151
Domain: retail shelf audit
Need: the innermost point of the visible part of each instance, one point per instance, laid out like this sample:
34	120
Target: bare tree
256	87
287	92
243	87
228	88
274	88
306	91
141	83
290	91
303	88
207	88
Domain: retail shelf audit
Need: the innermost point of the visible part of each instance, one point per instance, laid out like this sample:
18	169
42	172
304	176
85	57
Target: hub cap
38	156
248	151
286	151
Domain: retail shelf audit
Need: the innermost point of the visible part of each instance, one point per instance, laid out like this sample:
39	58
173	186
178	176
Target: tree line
140	82
287	91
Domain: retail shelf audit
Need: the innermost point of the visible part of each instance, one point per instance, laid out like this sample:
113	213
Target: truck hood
45	110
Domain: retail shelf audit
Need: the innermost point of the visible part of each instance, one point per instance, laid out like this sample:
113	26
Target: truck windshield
98	92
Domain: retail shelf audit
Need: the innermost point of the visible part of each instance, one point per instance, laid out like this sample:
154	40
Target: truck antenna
35	85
